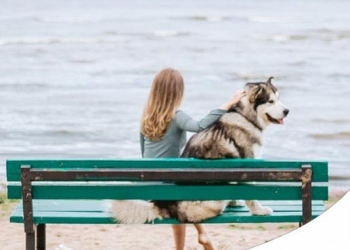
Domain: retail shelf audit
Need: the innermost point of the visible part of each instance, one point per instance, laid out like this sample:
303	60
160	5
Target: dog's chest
257	150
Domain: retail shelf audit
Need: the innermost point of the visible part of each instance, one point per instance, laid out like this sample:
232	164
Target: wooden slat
95	212
168	191
101	218
320	169
102	206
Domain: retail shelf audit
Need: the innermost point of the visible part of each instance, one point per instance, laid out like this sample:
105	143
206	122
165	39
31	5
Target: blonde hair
164	99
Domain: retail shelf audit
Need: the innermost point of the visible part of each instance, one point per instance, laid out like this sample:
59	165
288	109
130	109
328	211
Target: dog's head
263	100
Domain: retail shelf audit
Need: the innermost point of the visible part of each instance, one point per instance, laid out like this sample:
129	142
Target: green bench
77	191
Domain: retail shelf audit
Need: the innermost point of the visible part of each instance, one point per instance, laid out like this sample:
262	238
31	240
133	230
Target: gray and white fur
237	134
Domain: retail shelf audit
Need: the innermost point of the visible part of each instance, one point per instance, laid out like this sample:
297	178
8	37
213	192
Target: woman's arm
185	122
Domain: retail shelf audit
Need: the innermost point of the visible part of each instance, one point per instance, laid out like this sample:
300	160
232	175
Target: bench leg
30	241
41	237
306	190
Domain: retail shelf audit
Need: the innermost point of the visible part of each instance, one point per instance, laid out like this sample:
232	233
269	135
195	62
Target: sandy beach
145	237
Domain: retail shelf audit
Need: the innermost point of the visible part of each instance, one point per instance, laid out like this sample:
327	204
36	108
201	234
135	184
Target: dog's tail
134	211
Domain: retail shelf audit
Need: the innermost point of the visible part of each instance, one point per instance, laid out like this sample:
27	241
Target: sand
142	237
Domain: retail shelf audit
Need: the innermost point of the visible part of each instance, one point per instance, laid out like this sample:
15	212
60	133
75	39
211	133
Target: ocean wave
256	77
339	75
280	38
333	33
57	40
339	177
335	121
327	36
22	87
82	61
62	20
60	134
210	18
169	33
331	136
266	19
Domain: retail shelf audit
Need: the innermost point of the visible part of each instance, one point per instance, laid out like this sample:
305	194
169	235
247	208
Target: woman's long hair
164	99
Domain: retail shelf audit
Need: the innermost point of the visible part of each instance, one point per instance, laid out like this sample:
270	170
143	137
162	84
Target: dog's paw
257	209
262	211
236	203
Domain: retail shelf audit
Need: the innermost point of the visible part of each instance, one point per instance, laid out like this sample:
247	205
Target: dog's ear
269	81
255	93
269	84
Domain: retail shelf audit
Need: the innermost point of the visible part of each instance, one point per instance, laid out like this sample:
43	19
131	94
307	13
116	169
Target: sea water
75	75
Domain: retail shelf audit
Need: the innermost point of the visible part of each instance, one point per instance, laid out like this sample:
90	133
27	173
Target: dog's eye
271	101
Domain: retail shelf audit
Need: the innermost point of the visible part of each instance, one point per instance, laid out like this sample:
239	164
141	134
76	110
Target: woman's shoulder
180	111
179	114
181	118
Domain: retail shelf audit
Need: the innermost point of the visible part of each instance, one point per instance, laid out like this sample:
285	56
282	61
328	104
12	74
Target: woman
163	130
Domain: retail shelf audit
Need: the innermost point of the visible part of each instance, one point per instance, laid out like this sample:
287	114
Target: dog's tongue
281	121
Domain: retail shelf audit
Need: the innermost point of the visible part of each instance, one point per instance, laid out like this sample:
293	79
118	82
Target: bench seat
96	212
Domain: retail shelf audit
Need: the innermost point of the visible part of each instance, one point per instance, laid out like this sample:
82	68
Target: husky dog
237	134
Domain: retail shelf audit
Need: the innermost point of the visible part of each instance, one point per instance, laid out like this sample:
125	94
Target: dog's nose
285	112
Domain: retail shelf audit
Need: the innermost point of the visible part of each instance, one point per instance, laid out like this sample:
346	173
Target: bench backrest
149	179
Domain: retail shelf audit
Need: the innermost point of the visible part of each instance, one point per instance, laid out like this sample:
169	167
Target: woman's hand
237	96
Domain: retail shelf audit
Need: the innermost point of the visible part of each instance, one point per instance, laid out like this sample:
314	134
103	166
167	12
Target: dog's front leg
257	209
203	237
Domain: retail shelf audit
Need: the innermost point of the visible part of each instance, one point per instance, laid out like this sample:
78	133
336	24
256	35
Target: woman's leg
179	232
